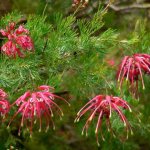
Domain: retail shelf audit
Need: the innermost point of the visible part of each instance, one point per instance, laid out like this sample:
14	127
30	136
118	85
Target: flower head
102	107
4	104
131	69
37	105
10	49
18	42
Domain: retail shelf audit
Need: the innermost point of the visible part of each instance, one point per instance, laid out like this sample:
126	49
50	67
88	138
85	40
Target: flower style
103	106
37	105
131	69
4	104
83	3
18	42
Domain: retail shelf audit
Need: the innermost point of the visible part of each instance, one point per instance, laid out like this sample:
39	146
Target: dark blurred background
122	13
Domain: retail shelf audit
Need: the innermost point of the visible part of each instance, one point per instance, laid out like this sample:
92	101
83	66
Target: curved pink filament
108	98
48	99
79	115
19	110
92	116
98	126
122	65
125	71
129	65
140	74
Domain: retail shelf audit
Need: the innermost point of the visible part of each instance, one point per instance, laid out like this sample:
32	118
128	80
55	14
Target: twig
45	8
133	6
45	45
107	6
23	20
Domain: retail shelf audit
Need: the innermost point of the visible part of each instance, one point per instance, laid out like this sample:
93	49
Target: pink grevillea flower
101	107
83	3
131	69
39	106
3	95
4	104
4	107
10	49
18	42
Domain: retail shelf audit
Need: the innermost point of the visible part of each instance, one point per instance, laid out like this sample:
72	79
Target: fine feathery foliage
70	55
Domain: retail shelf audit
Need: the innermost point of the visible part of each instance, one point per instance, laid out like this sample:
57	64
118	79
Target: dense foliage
80	59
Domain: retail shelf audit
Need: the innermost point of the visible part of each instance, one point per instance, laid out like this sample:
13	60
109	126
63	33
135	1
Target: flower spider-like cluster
83	3
131	69
18	42
35	106
4	104
102	107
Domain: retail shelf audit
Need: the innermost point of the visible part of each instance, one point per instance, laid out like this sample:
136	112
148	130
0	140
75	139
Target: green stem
45	8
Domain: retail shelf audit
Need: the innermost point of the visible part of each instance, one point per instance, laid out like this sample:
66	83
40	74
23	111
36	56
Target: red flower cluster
37	105
103	106
83	3
18	39
131	69
4	104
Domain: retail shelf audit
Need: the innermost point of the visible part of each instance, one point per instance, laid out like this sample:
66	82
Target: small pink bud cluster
83	3
131	69
101	107
39	106
4	104
110	62
18	42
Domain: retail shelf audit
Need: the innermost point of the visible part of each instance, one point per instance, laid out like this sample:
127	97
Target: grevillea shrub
18	40
72	55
